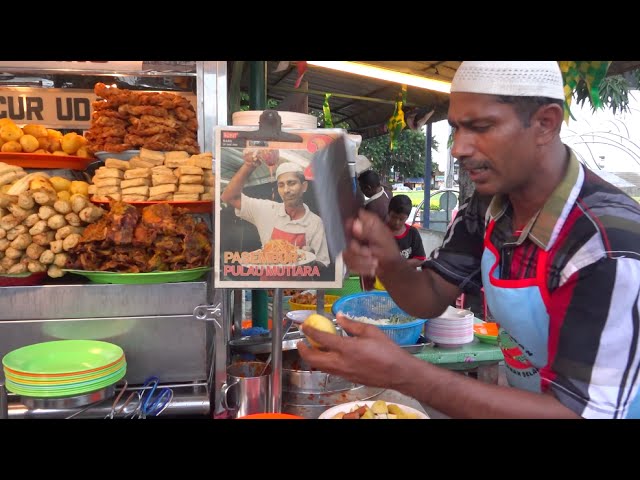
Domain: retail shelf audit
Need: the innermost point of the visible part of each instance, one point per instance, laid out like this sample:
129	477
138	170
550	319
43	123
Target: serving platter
45	160
141	278
347	407
22	279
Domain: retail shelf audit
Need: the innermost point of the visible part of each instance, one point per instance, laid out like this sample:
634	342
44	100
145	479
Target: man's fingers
351	326
327	340
359	264
359	329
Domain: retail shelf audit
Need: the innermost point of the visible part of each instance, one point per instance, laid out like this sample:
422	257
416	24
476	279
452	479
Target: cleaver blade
335	193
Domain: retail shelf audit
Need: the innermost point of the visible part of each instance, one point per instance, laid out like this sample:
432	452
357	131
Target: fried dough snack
126	119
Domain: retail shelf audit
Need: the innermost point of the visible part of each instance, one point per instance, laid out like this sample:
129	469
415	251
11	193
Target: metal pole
275	404
427	178
4	402
258	86
448	180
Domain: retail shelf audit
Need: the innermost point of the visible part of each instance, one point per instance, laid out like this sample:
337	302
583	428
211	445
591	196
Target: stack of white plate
297	120
453	328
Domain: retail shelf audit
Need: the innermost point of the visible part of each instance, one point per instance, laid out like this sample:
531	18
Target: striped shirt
591	233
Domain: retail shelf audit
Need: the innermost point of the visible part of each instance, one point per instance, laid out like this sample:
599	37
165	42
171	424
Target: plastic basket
377	305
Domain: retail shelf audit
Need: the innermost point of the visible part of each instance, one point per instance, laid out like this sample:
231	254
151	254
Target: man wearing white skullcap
290	220
555	248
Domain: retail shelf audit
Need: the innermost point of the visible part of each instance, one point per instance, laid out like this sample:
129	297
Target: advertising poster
269	233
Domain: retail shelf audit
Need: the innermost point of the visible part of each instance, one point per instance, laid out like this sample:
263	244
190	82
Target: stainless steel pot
308	393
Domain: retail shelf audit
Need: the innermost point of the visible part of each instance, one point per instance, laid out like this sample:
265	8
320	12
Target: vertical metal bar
238	299
211	81
448	179
275	405
4	402
258	85
427	178
223	326
320	301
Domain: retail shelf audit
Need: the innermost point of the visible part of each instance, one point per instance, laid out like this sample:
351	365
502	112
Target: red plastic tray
43	160
22	280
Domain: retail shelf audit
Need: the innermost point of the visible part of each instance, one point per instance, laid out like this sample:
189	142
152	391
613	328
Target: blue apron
520	309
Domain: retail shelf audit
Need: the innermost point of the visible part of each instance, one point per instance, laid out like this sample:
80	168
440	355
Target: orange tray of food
200	206
45	160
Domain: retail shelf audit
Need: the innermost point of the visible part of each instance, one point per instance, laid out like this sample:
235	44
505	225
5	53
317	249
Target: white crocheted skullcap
521	79
287	167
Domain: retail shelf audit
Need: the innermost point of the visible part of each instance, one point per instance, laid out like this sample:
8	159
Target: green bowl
62	356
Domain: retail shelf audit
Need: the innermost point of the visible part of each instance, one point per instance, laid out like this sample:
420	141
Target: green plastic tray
62	356
142	278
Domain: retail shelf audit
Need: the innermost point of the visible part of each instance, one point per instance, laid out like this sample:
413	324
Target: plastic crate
378	305
329	300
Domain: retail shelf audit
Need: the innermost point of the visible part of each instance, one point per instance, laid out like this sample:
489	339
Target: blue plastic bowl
378	305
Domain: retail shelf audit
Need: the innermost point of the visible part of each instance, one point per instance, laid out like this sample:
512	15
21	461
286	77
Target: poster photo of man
268	230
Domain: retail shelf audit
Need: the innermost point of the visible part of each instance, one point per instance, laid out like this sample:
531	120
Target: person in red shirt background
407	237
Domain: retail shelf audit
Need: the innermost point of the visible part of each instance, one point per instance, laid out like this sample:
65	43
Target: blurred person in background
377	198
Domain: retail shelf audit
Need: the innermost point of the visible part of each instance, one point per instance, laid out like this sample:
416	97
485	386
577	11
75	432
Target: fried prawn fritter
151	130
148	120
108	113
103	133
139	110
105	121
111	147
184	114
190	149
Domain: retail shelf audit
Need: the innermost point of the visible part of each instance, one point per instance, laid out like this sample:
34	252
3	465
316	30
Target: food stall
180	330
173	331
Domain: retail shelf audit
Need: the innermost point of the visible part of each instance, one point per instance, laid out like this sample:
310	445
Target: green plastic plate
61	379
142	278
486	338
69	386
19	390
62	356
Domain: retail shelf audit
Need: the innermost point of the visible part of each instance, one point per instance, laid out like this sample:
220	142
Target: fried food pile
128	119
158	238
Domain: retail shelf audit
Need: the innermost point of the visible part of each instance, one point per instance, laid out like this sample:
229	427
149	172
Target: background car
443	207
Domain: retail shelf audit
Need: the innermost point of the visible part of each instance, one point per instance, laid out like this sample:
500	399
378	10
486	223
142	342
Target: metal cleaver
335	193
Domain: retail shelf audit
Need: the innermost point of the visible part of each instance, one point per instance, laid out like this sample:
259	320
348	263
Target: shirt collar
376	195
281	212
543	228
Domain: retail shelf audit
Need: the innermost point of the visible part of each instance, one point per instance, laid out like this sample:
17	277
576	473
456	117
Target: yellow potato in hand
319	322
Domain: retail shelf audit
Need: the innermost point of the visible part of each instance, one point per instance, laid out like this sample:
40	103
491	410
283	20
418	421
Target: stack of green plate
63	368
